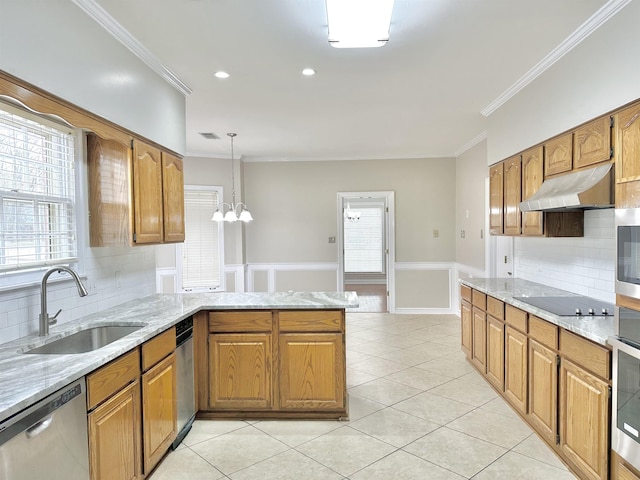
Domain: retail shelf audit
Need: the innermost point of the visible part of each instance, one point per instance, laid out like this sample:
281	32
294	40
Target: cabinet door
465	320
627	125
240	371
558	155
532	175
584	420
515	365
592	142
496	199
159	411
495	352
479	351
312	371
173	198
543	390
114	437
147	193
512	195
620	470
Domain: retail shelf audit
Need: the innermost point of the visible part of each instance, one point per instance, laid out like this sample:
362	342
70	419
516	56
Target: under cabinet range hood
584	189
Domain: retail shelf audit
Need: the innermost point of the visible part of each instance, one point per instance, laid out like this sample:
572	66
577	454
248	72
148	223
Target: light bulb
217	216
245	216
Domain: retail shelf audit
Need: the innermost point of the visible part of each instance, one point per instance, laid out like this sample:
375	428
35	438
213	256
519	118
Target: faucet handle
53	320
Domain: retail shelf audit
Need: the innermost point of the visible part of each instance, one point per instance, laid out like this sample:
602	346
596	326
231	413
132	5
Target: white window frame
356	205
26	277
180	247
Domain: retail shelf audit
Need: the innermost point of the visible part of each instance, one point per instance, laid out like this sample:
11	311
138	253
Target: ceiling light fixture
236	211
308	72
350	214
221	74
359	23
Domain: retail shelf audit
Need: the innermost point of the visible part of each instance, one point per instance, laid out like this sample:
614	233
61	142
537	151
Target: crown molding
470	144
117	31
594	22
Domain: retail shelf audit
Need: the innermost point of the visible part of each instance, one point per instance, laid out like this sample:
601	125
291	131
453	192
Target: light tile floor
417	410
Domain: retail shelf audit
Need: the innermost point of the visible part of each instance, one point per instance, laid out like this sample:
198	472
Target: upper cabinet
512	195
532	172
136	194
558	155
627	157
592	142
496	199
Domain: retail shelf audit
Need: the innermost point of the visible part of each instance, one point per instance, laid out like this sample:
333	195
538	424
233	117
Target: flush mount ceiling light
308	72
359	23
235	211
221	74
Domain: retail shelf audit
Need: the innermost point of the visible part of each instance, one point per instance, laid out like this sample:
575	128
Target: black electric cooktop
570	306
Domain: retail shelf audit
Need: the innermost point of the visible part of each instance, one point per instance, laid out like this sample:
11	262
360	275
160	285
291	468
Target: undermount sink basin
86	340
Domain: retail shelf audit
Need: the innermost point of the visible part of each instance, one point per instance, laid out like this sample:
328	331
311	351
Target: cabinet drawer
516	317
465	293
495	308
543	332
240	321
585	353
479	299
107	380
157	348
311	321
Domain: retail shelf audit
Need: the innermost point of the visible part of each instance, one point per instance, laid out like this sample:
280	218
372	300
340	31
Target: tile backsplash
112	276
584	265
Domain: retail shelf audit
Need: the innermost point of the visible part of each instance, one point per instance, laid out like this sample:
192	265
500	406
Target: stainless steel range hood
585	189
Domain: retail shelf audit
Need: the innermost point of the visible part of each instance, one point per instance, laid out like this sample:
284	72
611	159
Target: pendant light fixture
235	211
351	215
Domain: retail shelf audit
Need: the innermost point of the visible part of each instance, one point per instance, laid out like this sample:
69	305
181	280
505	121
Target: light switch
332	239
436	233
462	233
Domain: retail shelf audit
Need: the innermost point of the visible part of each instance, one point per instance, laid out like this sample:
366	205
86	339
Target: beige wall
598	75
294	205
471	211
411	291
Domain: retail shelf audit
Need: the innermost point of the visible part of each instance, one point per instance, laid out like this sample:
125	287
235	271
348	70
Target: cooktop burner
570	306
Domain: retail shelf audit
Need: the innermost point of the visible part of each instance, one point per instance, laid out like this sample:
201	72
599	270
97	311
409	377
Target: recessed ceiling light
308	72
221	74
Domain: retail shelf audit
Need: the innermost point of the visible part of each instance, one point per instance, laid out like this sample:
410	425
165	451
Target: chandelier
350	214
235	211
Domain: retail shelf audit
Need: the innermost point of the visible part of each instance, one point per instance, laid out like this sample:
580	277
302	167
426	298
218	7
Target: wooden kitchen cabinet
532	176
496	199
136	194
479	331
240	367
558	155
543	390
592	142
495	352
512	195
627	157
621	470
114	437
515	366
466	327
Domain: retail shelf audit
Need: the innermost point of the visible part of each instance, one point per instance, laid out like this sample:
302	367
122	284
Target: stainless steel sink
86	340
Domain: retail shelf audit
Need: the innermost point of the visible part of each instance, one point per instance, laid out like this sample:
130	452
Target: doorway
366	248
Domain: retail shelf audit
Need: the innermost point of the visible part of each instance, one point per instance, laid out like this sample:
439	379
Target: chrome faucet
45	320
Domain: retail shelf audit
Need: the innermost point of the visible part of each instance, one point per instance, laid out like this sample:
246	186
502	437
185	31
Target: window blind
201	253
37	192
364	240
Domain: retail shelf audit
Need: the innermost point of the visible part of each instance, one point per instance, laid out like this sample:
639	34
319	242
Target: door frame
390	240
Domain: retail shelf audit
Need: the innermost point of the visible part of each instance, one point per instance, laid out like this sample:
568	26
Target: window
364	240
201	257
37	192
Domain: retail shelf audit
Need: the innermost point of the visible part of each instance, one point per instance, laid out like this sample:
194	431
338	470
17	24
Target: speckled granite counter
595	328
27	378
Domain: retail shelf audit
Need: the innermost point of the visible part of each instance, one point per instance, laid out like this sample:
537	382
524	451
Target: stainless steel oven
625	407
628	252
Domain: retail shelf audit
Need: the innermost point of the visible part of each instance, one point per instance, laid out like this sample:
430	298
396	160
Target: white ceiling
418	96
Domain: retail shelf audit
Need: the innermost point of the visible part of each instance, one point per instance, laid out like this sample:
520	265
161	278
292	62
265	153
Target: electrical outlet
462	233
436	233
332	239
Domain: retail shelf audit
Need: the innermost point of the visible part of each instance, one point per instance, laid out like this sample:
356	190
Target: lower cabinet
465	326
584	420
311	371
621	470
240	371
495	352
479	335
515	365
543	390
114	437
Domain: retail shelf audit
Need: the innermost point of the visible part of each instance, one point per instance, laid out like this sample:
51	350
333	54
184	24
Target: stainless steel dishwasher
49	439
185	388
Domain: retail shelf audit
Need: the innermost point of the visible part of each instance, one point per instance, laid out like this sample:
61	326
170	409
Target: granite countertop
27	378
595	328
